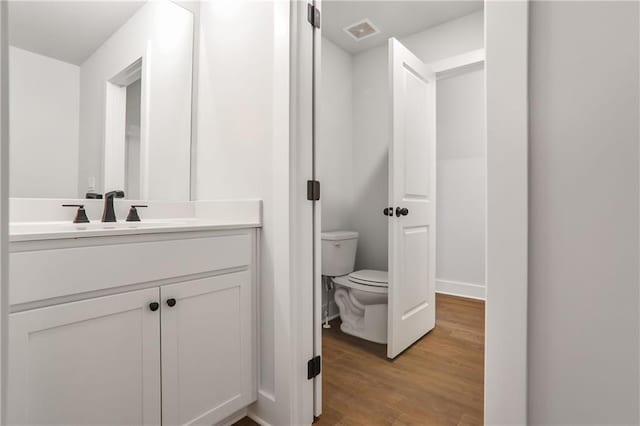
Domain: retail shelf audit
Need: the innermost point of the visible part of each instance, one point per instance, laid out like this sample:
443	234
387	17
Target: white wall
449	39
243	152
334	155
371	156
4	209
461	181
44	120
371	125
161	33
583	235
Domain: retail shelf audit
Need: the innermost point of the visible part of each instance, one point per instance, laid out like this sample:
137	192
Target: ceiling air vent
361	30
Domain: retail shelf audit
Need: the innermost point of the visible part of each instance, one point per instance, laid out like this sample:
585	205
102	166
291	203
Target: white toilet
361	296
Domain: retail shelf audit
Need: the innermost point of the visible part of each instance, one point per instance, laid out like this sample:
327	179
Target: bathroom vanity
149	323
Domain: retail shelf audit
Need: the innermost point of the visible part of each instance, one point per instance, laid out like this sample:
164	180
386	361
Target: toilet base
369	323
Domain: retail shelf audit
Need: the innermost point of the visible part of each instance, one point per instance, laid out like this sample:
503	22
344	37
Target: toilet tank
338	252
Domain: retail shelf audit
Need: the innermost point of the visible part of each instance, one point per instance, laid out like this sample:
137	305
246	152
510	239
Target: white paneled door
412	185
92	362
207	349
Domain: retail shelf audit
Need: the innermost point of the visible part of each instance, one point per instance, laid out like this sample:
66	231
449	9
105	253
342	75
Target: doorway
377	162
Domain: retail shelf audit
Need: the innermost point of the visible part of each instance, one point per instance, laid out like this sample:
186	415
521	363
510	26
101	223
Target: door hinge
314	366
313	190
313	15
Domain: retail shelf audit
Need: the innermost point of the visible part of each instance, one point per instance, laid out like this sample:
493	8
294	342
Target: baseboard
457	288
235	417
253	416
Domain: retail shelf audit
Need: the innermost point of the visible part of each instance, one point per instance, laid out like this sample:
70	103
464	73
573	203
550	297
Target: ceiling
66	30
394	18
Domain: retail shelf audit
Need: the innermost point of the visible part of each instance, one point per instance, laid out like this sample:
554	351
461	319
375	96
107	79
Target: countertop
35	231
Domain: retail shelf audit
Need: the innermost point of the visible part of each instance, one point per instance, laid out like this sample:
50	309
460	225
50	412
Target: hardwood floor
437	381
245	422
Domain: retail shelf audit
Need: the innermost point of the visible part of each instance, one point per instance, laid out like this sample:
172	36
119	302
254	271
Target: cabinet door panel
92	362
206	349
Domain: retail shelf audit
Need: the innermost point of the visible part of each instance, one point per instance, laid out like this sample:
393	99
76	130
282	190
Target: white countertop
34	231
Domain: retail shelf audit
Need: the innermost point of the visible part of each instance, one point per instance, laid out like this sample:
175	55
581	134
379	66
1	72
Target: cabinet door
207	349
92	362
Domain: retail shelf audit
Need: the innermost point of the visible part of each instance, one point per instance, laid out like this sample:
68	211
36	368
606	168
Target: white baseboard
235	417
457	288
257	419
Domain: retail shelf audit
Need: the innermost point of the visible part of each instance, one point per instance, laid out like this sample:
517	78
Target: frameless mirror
100	99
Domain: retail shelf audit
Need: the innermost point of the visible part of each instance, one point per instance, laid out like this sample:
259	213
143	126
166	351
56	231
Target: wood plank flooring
437	381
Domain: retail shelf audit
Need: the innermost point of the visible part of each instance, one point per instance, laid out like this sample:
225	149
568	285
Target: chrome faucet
109	214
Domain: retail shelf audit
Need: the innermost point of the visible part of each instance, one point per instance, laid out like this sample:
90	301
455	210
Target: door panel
415	296
207	371
412	186
92	362
414	128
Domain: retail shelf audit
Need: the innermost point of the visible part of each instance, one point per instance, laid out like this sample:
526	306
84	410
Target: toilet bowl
363	306
361	296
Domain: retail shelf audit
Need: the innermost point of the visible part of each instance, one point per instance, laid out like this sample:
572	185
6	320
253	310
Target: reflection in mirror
100	99
132	141
122	139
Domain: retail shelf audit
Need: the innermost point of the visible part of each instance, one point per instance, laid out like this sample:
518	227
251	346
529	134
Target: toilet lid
370	277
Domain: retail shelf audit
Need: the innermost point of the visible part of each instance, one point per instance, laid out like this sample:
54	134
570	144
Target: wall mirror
100	99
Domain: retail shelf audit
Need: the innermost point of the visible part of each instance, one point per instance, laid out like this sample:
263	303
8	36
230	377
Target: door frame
4	208
506	90
507	133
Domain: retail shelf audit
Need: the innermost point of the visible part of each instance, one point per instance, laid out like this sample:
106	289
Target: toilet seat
365	280
370	277
345	282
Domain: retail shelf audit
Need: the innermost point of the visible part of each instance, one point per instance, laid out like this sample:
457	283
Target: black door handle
154	306
388	211
171	302
402	211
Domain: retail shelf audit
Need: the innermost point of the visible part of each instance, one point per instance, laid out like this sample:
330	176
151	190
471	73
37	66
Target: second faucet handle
133	213
81	214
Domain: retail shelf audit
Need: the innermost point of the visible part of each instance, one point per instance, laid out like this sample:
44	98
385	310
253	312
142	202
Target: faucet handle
133	213
114	194
81	214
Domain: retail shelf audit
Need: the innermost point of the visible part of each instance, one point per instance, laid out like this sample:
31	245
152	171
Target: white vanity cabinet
173	351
